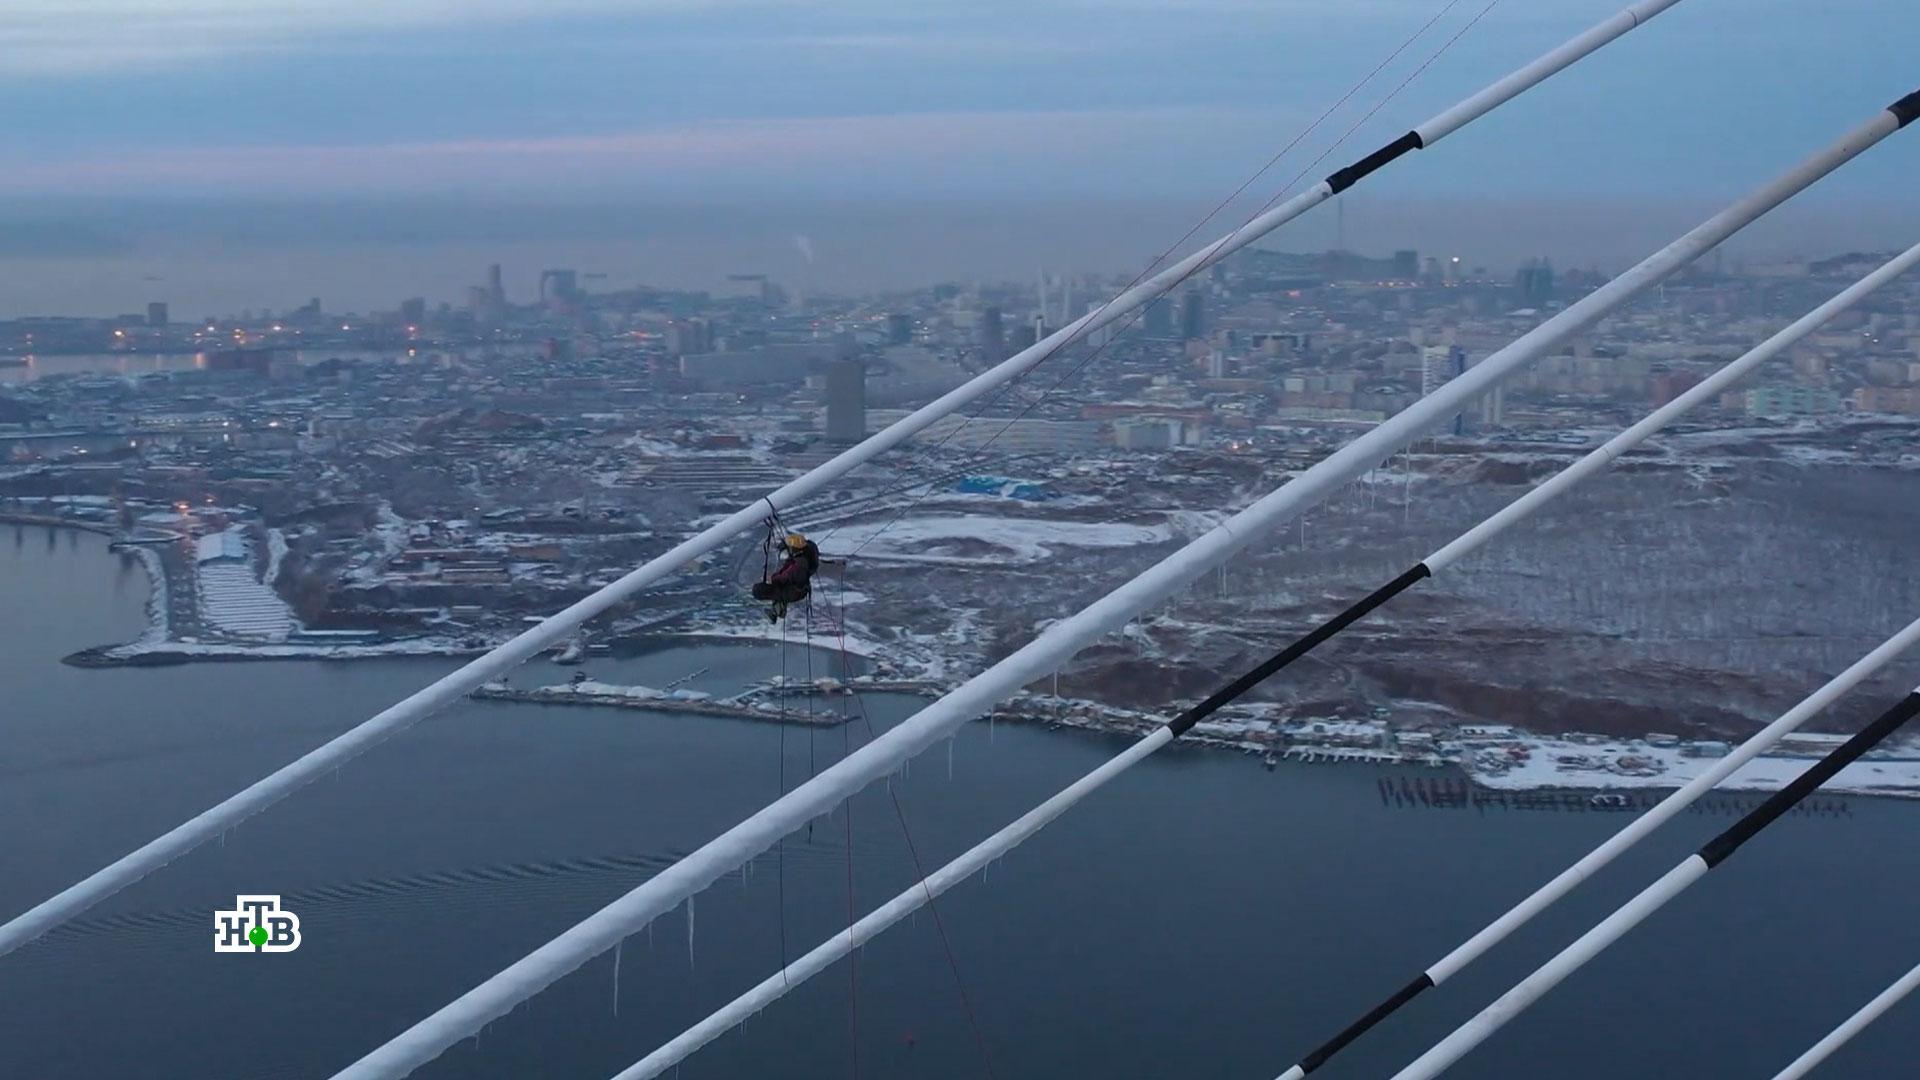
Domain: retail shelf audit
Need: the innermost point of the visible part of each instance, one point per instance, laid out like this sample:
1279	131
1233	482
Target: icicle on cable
529	643
1026	826
695	871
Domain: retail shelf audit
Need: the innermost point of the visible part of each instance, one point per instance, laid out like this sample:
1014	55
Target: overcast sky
891	97
744	102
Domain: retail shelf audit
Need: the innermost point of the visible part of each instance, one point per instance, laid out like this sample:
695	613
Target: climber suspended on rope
793	581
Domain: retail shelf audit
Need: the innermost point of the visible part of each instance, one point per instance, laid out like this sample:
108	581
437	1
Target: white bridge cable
531	642
1855	1024
1671	884
1687	794
1615	845
845	941
1010	837
599	932
1092	355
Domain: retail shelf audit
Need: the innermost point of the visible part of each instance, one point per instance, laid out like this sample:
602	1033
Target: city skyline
250	156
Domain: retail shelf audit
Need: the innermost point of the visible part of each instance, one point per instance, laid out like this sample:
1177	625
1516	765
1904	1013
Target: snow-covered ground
391	530
1017	540
276	554
595	688
156	630
208	650
1637	765
235	602
826	636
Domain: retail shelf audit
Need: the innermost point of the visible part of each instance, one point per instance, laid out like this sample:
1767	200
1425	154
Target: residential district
431	478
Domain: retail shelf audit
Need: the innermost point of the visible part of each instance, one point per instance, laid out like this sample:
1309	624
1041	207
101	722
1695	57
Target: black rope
780	845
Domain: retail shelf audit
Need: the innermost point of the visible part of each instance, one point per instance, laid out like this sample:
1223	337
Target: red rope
899	811
919	870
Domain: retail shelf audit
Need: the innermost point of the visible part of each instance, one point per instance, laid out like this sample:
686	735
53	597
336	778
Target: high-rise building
846	401
496	292
754	285
1098	339
157	314
1493	408
1668	385
413	311
899	329
1406	265
689	337
1790	399
1438	365
1158	319
1040	330
990	333
1534	283
1021	338
1146	433
1193	315
565	286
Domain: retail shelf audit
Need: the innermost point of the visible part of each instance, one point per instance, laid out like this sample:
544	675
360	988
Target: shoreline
10	517
153	649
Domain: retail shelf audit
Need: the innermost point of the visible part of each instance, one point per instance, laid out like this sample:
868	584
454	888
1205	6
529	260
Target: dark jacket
799	566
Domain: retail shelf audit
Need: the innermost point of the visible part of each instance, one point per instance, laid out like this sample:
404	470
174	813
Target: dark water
1202	917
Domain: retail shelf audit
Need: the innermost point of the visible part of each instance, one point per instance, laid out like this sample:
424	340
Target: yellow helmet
796	542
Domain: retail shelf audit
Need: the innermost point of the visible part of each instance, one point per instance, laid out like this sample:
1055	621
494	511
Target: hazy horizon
205	258
255	155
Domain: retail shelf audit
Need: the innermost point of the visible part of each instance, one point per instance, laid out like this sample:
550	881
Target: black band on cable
1359	1027
1184	723
1907	109
1712	854
1357	171
1803	785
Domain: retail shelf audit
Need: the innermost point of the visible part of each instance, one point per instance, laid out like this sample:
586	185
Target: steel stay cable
1142	275
1675	881
953	962
526	977
1854	1025
503	658
1138	313
1011	836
